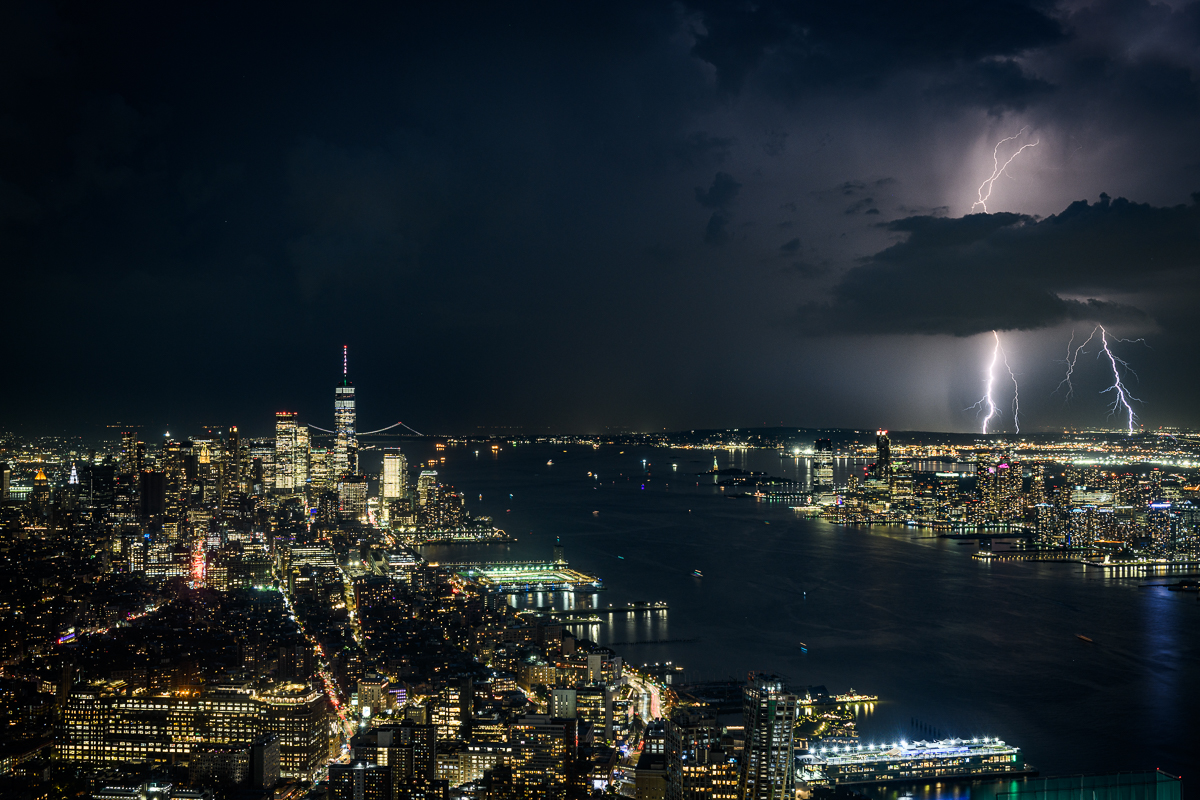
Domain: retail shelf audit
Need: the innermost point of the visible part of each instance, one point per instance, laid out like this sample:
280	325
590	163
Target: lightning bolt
986	403
1016	389
998	169
1072	357
1121	394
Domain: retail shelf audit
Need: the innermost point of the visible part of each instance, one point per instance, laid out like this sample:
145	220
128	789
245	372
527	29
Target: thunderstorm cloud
1008	271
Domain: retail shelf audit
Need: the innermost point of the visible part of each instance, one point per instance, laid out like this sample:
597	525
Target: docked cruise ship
909	761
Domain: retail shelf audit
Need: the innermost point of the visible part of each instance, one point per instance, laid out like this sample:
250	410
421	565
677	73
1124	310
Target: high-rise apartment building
360	780
1000	487
179	468
409	749
298	714
822	479
352	497
452	711
373	693
231	466
320	464
291	453
132	454
426	486
698	766
395	475
545	749
900	484
769	710
883	454
345	448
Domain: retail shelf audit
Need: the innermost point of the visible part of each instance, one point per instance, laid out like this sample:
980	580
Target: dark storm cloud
865	205
807	269
698	148
996	85
717	229
1010	271
805	46
233	191
721	194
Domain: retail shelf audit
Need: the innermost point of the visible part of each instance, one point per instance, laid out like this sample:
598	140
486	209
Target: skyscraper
231	465
319	461
883	454
39	498
179	466
822	480
427	486
769	710
395	477
291	453
345	449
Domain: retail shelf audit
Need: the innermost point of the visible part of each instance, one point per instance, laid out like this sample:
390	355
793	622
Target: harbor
523	577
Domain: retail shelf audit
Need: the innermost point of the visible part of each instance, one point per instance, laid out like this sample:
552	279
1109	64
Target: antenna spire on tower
344	348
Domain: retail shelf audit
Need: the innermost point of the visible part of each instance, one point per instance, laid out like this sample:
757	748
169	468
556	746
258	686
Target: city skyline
1121	415
658	399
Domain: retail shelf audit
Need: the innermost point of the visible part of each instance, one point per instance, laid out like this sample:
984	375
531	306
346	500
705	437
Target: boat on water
1184	586
698	573
549	463
1084	638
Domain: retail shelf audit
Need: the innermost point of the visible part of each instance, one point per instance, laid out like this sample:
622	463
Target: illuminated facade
298	714
345	449
911	761
395	478
352	497
823	466
1000	488
452	710
103	722
697	767
883	454
320	462
291	453
543	750
426	486
769	710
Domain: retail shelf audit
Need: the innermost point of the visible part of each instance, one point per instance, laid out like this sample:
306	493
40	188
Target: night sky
576	216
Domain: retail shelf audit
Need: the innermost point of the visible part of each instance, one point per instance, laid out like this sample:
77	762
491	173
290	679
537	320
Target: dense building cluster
1089	510
247	618
231	617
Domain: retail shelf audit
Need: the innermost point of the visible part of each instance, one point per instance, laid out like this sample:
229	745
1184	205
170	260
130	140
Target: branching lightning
998	168
1072	357
987	402
1121	394
1016	389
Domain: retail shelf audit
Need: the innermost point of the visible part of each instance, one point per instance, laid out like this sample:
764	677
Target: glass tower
394	476
769	710
345	448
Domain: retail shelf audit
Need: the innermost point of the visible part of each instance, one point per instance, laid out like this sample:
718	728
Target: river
965	647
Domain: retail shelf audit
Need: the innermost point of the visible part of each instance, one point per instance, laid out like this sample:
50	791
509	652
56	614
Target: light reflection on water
968	648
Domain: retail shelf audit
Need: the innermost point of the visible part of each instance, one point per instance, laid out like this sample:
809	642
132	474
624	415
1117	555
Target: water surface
965	647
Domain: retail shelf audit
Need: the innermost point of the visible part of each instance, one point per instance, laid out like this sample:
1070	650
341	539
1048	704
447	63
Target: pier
632	608
522	577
